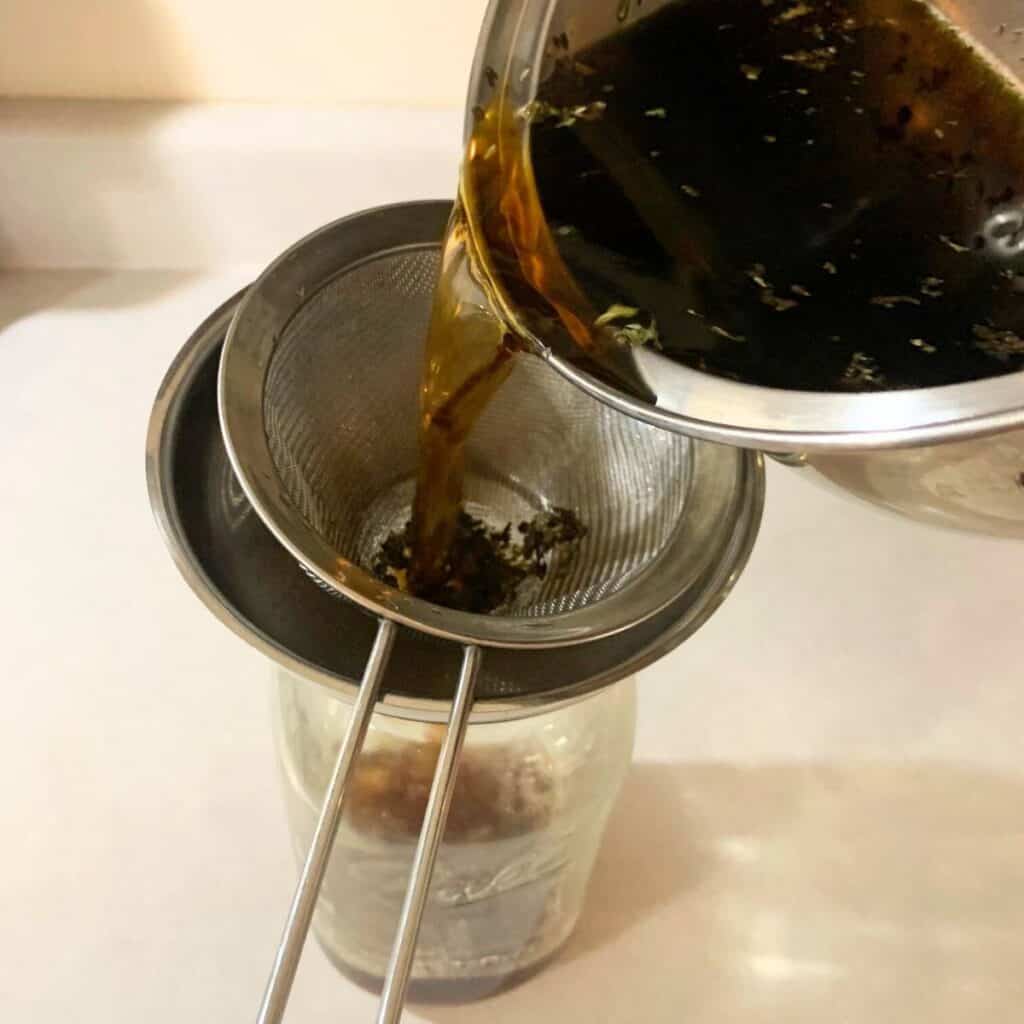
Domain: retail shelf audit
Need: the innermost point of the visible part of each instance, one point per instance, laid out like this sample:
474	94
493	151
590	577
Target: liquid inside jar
531	802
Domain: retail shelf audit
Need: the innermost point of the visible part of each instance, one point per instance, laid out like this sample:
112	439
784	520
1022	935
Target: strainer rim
245	361
195	364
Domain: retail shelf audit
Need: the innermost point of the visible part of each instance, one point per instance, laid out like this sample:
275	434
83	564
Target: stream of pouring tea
805	195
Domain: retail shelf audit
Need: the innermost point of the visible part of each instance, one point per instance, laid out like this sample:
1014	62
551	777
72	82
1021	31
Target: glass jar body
531	803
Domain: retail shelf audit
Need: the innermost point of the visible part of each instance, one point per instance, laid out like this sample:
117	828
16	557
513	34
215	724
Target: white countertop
825	821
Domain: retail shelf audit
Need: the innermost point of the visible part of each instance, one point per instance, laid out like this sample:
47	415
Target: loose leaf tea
484	568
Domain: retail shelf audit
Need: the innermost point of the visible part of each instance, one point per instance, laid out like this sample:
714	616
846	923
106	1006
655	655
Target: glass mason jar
531	802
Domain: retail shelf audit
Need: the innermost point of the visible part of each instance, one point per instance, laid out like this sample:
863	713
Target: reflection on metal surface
972	485
795	460
234	504
1004	232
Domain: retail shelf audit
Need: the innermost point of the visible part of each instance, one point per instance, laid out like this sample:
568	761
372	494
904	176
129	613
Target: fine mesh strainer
318	397
318	404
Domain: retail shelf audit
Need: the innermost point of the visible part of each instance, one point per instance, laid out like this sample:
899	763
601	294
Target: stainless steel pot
947	455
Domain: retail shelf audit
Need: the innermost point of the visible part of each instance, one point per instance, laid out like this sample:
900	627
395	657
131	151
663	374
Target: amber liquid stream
819	196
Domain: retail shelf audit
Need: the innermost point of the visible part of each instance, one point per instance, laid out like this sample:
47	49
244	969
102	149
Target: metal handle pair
289	951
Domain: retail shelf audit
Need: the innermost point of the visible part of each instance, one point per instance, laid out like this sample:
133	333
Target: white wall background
405	52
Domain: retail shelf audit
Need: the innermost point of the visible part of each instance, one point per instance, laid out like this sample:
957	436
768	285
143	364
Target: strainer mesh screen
340	410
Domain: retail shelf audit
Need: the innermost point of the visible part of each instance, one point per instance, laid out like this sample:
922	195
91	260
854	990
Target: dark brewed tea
805	195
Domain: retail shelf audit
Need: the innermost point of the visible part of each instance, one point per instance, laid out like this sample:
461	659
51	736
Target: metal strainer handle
289	952
441	791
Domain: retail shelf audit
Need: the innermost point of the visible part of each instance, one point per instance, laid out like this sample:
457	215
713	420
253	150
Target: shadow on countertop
796	894
25	292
